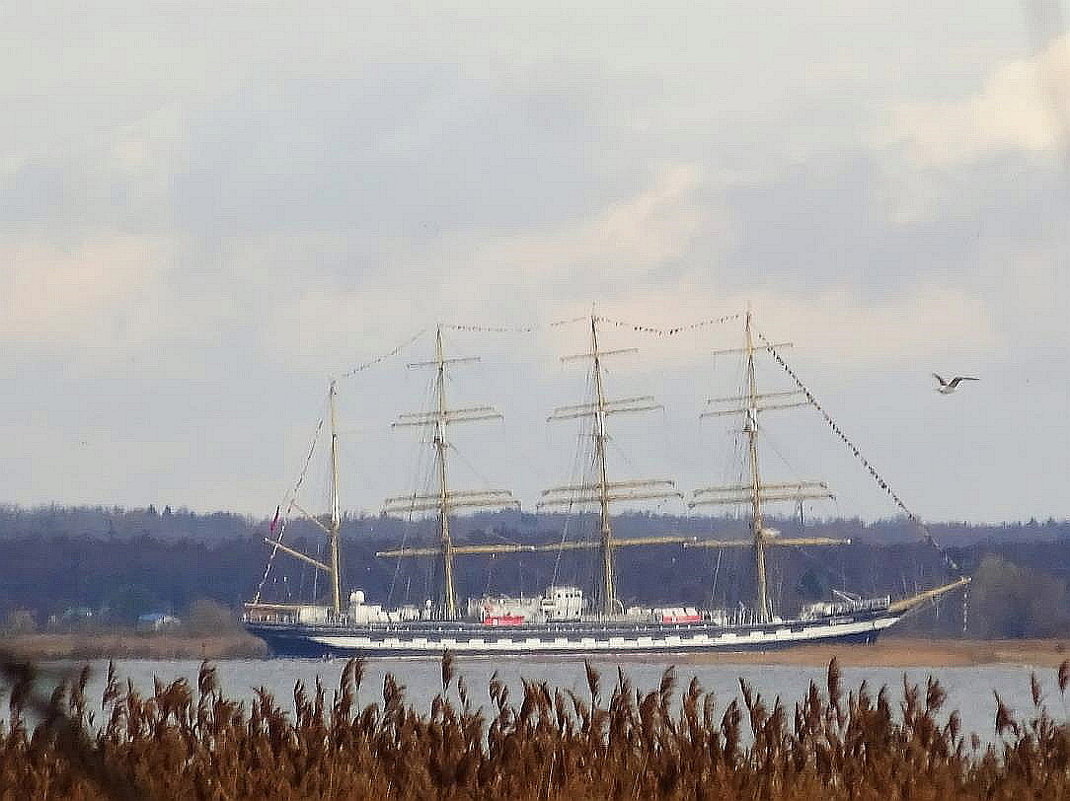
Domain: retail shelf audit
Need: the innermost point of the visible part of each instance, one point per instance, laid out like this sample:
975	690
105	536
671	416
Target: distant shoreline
905	652
895	652
133	645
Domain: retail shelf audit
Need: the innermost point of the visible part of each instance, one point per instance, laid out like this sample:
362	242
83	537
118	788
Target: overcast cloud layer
207	210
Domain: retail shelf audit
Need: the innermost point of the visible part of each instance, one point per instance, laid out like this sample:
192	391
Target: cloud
625	240
1022	106
651	259
251	202
495	278
396	150
97	296
837	325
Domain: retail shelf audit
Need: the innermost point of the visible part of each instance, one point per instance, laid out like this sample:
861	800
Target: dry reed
185	742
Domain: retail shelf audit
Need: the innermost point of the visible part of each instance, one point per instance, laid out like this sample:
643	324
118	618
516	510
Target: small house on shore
157	621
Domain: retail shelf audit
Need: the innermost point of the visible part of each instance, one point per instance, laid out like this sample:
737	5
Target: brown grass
134	645
608	742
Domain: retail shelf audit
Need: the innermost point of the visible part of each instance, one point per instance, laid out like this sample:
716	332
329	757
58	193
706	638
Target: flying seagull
947	387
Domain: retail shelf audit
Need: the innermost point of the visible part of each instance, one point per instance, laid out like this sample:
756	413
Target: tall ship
569	619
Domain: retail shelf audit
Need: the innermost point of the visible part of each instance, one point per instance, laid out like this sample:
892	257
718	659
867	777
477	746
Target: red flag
275	520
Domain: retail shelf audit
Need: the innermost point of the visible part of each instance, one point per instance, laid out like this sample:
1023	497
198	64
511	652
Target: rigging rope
645	329
510	329
917	521
569	321
289	509
491	329
668	332
383	357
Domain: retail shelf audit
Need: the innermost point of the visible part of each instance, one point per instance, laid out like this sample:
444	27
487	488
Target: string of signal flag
637	327
858	454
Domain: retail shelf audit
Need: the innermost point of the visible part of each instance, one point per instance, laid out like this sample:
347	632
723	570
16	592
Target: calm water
969	690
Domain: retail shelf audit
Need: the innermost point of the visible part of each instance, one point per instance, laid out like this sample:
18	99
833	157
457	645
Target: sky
206	209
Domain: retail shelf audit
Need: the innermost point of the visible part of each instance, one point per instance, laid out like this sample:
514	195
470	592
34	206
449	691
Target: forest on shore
105	567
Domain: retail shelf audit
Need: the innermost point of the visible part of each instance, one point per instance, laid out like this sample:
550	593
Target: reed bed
608	742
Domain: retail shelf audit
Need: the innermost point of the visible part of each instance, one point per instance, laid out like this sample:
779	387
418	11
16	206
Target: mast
330	524
444	501
609	584
750	428
336	514
439	443
755	493
603	491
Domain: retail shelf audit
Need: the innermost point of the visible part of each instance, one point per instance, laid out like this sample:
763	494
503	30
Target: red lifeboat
505	619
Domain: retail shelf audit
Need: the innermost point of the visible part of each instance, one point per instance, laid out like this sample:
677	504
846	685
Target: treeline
164	522
71	567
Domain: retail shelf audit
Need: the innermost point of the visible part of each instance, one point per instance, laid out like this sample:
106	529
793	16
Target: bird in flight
947	387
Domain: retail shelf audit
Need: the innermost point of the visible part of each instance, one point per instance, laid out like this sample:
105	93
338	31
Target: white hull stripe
498	643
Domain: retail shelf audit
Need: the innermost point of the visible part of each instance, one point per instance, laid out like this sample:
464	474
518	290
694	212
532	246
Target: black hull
562	640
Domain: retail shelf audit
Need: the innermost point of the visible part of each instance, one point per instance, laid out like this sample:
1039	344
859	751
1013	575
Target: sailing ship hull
429	639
